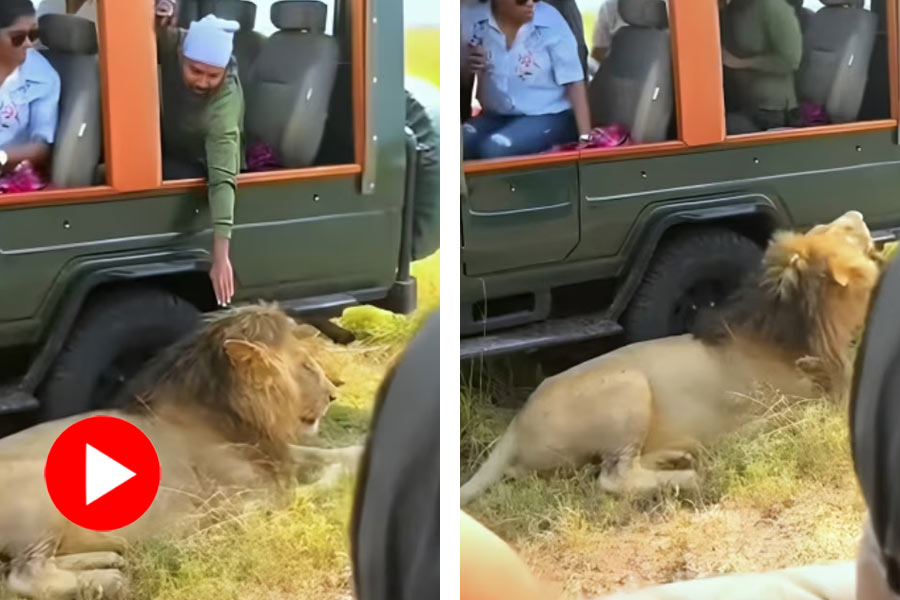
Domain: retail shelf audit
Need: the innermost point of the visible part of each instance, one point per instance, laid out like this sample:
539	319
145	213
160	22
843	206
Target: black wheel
114	336
689	273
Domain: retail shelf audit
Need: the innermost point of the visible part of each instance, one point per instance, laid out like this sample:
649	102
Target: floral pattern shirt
529	77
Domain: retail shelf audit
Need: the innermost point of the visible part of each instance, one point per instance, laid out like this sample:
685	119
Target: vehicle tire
115	334
690	272
426	211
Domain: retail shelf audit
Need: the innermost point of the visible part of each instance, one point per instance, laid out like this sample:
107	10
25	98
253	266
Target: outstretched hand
221	274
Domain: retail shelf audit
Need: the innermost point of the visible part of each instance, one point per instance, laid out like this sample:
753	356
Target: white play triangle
102	474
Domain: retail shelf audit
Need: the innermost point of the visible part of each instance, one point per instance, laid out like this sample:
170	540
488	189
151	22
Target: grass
780	492
422	54
299	550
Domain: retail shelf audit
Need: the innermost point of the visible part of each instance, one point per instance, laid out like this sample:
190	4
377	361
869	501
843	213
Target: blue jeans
494	136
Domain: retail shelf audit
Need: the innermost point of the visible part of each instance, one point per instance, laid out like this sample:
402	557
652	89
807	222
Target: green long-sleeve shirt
767	32
203	130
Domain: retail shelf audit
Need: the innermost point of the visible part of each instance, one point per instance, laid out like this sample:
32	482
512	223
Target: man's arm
606	17
168	36
223	157
785	40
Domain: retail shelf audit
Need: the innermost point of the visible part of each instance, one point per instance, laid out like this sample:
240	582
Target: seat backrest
72	50
803	14
837	48
290	85
248	42
634	86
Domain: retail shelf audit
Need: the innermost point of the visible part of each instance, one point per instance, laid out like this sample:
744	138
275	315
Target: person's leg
530	135
478	129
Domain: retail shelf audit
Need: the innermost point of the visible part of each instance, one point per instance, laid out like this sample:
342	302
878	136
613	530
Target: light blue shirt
29	102
528	78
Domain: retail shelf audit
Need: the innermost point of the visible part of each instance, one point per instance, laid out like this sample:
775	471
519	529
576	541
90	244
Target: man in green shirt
202	121
762	48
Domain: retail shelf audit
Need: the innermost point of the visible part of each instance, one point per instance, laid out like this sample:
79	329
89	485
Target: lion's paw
103	584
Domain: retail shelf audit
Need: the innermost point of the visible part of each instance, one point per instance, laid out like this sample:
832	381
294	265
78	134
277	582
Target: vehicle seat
634	85
72	50
803	14
290	85
837	48
248	43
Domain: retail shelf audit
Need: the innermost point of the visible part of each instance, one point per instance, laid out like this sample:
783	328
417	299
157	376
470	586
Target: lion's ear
843	271
242	353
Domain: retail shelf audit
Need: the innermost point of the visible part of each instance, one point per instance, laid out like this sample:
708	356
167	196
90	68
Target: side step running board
551	332
14	400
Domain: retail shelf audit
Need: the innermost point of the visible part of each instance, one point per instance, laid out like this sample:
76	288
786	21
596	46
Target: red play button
102	473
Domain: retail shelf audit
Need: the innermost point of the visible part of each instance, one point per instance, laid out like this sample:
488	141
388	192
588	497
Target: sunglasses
17	38
524	2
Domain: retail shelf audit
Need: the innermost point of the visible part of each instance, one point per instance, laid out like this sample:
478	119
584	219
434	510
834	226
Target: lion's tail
493	469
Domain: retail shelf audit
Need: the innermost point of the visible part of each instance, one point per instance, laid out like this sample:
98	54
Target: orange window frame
699	93
130	98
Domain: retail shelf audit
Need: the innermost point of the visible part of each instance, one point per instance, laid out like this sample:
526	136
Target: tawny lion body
222	411
646	406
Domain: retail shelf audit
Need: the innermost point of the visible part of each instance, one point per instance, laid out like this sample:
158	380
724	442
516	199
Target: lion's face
852	226
316	388
284	376
835	262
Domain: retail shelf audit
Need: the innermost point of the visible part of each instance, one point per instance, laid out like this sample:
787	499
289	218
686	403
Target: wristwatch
4	158
584	137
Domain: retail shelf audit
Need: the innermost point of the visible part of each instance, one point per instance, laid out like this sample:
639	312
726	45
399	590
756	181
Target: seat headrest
300	15
644	13
242	11
68	33
848	3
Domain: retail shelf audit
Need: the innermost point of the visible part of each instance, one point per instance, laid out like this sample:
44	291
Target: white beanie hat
209	41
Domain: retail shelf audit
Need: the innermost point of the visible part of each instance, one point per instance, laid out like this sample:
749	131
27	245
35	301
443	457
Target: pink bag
262	157
24	178
609	136
812	114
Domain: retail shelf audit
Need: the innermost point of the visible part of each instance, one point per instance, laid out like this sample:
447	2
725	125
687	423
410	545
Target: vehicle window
270	109
51	134
614	57
802	63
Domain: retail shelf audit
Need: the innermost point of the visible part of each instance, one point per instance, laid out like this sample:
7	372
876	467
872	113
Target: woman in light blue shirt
530	79
29	90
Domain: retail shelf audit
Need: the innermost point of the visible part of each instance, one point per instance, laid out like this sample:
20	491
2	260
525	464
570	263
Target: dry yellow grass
781	492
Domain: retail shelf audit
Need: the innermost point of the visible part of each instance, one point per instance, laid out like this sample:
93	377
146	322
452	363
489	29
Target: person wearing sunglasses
29	92
203	120
530	79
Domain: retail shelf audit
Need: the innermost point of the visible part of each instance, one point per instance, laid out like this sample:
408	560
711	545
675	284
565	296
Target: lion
224	409
640	411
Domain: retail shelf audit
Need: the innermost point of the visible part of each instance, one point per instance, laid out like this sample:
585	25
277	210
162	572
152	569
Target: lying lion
223	410
646	406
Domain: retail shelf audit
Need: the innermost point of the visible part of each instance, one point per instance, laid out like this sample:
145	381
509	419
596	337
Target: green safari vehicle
110	263
634	241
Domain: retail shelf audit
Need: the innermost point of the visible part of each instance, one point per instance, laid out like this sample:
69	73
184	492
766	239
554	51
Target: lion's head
258	373
810	295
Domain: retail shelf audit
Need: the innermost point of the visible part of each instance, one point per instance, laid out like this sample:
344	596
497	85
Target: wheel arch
755	216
